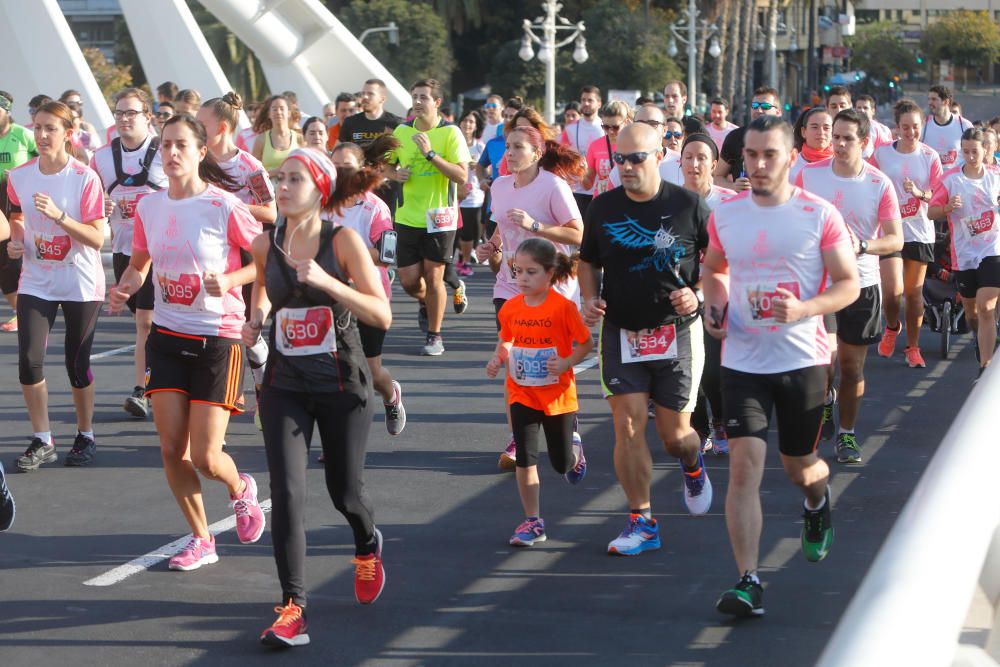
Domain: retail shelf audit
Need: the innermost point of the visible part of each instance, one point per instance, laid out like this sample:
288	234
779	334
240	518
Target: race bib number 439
649	344
301	332
529	366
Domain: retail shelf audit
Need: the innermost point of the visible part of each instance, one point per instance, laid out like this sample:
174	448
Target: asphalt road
456	594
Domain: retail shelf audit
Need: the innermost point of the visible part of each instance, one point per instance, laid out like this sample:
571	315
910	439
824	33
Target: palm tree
719	67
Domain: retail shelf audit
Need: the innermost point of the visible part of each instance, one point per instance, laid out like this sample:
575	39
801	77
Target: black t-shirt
642	248
361	131
732	151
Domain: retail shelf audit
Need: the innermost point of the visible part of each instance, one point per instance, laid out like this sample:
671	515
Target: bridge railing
911	606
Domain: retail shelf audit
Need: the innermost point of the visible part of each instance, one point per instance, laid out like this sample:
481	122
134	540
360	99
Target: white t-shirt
767	248
946	139
923	167
879	135
187	238
125	196
56	266
718	136
475	196
865	201
256	187
491	131
579	136
369	217
547	199
973	225
719	195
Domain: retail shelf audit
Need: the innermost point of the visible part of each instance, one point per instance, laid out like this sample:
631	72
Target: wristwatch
430	155
862	247
535	226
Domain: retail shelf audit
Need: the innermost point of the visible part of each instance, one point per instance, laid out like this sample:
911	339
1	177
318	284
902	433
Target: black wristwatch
862	248
430	155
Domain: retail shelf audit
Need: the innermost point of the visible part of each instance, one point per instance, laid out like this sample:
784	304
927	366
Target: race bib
759	302
126	205
649	344
949	158
442	220
528	366
180	289
52	249
910	208
257	184
979	224
301	332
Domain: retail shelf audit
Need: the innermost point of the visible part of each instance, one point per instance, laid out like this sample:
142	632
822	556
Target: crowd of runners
727	273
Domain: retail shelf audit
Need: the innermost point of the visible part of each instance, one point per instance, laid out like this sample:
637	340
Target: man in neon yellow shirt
431	163
17	146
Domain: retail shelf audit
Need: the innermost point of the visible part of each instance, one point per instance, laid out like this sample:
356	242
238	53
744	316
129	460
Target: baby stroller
943	311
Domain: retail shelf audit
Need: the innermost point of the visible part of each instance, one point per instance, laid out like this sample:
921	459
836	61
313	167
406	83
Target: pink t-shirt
579	136
256	187
879	135
718	136
57	267
767	248
599	161
923	167
187	238
865	201
369	217
973	225
547	199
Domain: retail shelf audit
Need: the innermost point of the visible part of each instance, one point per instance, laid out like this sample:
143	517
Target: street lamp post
549	26
390	28
698	32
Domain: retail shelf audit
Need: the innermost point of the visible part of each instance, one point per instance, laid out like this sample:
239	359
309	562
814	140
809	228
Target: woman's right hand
250	333
15	249
485	250
116	299
493	366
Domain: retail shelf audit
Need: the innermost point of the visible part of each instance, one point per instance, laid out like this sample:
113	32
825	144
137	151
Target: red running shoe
369	575
288	630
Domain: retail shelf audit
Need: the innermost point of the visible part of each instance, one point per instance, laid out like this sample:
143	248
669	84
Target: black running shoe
817	531
7	509
745	599
36	454
83	452
848	449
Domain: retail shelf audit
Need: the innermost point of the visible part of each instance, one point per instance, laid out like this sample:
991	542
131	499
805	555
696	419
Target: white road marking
143	563
585	364
111	353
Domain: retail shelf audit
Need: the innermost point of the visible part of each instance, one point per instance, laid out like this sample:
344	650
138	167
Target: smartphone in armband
387	247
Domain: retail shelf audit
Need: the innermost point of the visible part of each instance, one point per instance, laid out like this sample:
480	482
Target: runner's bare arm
4	227
715	286
260	305
890	240
90	233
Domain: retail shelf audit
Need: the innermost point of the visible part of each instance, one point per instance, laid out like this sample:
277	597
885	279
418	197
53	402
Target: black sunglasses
635	158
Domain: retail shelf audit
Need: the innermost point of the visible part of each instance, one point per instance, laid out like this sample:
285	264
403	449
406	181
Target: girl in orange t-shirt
542	337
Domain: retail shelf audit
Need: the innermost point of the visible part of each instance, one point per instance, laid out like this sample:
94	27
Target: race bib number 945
649	344
529	366
52	248
302	332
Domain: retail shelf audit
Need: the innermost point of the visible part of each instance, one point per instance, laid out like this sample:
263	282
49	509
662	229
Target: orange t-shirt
537	333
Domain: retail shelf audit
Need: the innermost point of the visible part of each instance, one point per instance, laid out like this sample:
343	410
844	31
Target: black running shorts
414	245
861	322
987	275
918	252
208	369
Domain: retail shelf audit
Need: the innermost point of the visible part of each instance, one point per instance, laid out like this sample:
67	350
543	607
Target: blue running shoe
576	474
529	532
640	535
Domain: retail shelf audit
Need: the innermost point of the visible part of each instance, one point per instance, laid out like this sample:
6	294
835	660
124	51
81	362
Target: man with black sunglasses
638	269
730	172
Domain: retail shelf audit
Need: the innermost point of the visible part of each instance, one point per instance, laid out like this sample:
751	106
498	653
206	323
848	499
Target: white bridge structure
300	44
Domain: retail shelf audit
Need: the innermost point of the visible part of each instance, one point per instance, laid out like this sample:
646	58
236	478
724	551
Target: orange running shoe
887	345
10	326
369	575
288	630
913	357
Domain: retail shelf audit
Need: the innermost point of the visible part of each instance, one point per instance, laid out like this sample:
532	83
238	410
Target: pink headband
323	173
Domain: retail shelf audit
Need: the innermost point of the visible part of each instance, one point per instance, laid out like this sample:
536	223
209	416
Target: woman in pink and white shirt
915	171
968	195
190	236
58	215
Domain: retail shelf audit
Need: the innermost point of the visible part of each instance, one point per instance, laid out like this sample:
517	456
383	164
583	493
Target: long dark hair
208	169
368	177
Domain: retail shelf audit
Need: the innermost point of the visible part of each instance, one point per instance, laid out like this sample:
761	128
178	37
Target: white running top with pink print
187	238
767	248
973	225
256	188
370	218
923	167
56	266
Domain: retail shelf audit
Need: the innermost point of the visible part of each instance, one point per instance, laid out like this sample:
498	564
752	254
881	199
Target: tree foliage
240	65
423	49
111	78
877	49
963	37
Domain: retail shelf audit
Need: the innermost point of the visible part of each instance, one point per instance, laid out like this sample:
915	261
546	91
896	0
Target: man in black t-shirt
638	270
729	173
373	121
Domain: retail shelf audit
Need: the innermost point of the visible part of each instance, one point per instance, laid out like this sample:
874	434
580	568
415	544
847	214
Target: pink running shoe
249	517
198	552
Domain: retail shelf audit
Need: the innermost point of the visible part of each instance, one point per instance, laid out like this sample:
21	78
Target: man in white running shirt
867	200
943	131
770	252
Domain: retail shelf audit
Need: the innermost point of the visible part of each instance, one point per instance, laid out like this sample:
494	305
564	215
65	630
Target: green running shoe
745	599
817	531
848	449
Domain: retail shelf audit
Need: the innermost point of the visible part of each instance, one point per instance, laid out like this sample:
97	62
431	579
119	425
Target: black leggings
288	419
35	318
710	392
525	423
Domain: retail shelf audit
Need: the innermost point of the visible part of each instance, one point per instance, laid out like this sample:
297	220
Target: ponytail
544	253
366	179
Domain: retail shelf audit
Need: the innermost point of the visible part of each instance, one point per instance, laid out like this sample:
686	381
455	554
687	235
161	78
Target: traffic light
892	84
826	88
788	106
857	77
920	59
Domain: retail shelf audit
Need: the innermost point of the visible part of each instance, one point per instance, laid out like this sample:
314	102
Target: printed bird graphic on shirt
666	248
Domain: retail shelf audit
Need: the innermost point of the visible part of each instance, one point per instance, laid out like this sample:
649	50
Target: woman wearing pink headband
318	280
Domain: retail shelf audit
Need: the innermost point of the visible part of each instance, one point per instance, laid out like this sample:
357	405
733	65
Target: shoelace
288	614
695	483
632	528
194	544
242	507
527	527
364	568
